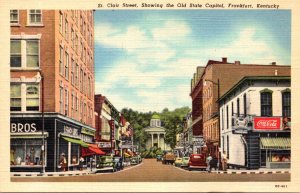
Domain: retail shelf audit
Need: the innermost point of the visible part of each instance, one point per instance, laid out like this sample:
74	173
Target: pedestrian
224	161
81	163
208	159
63	162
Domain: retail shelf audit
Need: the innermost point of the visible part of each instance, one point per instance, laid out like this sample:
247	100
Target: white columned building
157	133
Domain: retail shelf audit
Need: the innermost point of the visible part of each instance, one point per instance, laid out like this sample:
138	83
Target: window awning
77	141
275	143
92	149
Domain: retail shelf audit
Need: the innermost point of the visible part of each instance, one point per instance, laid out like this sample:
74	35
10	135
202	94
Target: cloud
171	30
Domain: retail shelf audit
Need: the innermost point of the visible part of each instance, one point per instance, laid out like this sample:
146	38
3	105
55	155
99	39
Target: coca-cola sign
267	123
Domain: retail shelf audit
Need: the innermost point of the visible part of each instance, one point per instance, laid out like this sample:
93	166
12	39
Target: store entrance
263	158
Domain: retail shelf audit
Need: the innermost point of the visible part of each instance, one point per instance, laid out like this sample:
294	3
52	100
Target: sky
145	59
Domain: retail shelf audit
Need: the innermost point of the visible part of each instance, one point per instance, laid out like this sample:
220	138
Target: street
152	171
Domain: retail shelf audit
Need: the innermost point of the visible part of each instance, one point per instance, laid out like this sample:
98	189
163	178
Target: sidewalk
257	171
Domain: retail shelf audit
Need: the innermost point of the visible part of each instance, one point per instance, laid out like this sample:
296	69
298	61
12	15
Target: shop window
35	16
266	104
14	16
15	97
15	53
26	152
74	154
286	104
32	98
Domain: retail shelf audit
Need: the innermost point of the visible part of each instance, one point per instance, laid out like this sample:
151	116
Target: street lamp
219	121
41	78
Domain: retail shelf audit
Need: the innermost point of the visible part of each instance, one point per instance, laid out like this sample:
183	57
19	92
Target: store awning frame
92	149
277	143
77	141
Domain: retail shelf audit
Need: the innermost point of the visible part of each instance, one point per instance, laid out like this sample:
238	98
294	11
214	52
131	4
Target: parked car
168	158
197	161
134	160
185	162
105	163
178	162
158	157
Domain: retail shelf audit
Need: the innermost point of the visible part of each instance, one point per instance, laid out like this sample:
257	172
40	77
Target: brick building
211	82
52	87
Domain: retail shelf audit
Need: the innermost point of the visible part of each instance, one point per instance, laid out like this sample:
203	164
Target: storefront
63	138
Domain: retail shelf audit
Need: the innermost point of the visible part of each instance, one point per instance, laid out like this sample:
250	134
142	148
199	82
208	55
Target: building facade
213	81
255	122
52	87
157	134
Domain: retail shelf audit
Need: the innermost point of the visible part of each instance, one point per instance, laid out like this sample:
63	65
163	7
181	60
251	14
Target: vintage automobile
105	163
134	160
197	161
185	162
119	164
168	158
178	162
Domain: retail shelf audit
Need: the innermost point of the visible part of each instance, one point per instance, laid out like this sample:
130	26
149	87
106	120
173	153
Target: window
15	97
286	104
32	98
32	50
66	102
61	99
81	80
76	74
35	16
76	104
266	104
30	47
61	60
227	117
72	71
66	30
222	119
245	105
81	50
14	16
238	107
15	53
72	38
227	147
67	66
223	144
61	23
76	43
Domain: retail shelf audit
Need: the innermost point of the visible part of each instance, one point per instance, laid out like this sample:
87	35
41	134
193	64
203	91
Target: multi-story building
211	82
107	124
255	122
52	87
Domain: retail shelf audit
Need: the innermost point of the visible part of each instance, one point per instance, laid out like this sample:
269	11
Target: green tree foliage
172	121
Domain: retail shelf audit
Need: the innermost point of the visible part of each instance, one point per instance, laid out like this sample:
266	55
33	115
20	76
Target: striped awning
275	143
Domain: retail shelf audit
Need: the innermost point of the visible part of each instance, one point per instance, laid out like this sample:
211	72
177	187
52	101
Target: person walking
208	159
224	161
81	163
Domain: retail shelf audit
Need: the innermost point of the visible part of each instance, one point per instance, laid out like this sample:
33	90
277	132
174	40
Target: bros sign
23	127
267	123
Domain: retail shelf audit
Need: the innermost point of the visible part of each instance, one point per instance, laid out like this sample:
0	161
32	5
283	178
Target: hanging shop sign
198	141
112	129
267	123
104	144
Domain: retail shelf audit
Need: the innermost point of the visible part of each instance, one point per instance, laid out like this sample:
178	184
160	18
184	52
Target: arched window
32	98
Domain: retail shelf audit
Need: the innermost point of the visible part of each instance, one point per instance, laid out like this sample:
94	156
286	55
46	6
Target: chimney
237	62
224	60
273	63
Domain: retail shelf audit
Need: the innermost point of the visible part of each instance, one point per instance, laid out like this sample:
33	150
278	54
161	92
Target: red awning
91	150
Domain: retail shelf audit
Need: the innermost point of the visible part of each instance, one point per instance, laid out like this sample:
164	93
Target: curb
251	172
51	175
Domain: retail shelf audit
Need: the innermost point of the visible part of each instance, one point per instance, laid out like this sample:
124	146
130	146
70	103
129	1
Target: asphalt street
152	171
